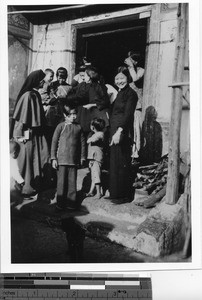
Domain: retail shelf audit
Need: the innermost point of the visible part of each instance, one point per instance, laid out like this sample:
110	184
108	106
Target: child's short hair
14	146
98	123
93	73
49	71
68	107
62	72
82	68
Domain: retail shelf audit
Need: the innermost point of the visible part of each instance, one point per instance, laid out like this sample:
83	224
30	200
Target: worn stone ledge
156	232
127	211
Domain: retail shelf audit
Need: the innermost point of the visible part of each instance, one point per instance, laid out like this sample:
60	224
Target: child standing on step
95	155
67	153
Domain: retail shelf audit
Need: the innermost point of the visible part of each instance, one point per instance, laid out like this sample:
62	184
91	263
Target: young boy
59	90
67	152
16	180
45	90
95	155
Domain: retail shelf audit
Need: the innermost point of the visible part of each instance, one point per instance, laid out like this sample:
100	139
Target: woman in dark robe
121	127
91	98
28	124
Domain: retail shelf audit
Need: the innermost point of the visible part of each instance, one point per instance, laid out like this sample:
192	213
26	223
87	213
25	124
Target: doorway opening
106	45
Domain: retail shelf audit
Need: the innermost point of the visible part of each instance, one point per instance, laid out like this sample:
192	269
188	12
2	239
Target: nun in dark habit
27	128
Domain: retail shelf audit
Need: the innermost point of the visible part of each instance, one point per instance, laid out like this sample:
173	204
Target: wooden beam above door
88	35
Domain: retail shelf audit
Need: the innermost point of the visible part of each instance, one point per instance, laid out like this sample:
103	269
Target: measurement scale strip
74	287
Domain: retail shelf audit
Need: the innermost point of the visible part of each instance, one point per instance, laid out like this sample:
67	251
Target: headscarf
32	81
28	109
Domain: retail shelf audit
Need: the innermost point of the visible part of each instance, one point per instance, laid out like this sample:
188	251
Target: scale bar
87	287
121	282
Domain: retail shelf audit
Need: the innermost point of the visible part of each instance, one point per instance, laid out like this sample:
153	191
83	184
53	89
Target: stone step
153	232
111	229
156	232
128	212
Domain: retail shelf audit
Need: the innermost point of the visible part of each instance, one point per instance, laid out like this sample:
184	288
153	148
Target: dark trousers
66	186
49	131
120	181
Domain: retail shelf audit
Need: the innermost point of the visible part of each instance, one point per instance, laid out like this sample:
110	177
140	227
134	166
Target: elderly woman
28	123
121	125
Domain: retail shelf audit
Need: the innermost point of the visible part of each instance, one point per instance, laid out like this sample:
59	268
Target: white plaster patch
165	211
147	244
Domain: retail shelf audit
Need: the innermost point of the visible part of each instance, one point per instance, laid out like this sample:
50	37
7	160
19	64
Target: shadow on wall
151	139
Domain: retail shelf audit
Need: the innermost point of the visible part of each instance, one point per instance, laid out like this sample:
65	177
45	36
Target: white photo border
196	263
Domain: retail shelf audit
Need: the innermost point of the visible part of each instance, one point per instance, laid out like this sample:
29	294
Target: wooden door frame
107	19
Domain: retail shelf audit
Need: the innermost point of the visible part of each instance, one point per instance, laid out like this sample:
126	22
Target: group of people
64	125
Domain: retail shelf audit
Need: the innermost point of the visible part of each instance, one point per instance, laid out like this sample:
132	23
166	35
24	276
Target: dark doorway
106	46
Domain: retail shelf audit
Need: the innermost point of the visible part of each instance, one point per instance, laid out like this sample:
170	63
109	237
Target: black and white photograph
99	139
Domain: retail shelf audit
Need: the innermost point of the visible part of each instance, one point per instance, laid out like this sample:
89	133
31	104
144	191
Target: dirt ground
37	236
34	242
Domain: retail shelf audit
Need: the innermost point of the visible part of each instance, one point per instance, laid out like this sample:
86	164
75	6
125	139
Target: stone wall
159	74
50	48
55	46
18	55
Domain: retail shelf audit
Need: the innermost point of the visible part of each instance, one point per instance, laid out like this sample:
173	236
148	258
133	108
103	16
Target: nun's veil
28	112
32	81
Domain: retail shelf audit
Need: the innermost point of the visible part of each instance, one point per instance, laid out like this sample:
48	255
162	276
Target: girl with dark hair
28	129
121	123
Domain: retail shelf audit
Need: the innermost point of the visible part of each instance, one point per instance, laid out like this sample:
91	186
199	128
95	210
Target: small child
67	152
59	90
80	77
95	155
45	90
16	180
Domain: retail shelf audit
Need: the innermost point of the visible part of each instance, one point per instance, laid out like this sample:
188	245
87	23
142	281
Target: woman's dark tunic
120	184
90	93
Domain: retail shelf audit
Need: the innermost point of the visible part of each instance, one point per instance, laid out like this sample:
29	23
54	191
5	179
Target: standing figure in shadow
134	63
151	141
27	128
121	127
